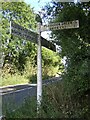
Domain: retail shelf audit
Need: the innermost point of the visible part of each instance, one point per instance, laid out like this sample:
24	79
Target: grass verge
55	104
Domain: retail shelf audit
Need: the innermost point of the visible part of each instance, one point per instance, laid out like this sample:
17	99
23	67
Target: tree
75	43
16	49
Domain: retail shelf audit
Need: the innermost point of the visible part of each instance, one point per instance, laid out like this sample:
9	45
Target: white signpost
22	32
27	34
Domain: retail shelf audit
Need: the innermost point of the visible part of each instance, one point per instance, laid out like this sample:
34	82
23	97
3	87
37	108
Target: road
12	88
14	96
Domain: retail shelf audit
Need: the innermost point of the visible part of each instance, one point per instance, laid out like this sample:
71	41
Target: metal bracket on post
39	68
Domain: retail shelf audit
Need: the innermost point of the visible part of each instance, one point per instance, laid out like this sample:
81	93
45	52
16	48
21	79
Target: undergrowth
55	104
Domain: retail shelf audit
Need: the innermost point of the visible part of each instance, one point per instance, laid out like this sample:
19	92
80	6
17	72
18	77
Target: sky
37	5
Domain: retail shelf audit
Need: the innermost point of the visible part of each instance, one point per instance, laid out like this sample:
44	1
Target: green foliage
50	63
16	49
14	79
20	55
55	104
50	57
27	110
70	98
10	74
75	44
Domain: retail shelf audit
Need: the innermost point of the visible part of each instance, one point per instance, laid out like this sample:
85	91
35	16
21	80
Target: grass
20	79
29	75
13	80
55	104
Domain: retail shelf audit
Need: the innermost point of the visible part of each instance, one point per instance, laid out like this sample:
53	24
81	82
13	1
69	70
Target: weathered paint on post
39	67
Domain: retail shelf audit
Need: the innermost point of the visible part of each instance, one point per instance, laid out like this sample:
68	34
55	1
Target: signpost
36	38
24	33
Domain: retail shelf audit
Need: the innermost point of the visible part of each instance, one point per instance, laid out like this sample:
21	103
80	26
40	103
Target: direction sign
24	33
61	25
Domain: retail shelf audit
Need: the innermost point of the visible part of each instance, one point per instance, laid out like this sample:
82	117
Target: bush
55	104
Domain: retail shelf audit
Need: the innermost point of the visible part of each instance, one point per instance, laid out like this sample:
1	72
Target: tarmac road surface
14	96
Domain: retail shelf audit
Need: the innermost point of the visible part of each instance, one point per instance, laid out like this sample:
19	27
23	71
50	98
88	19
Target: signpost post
39	68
